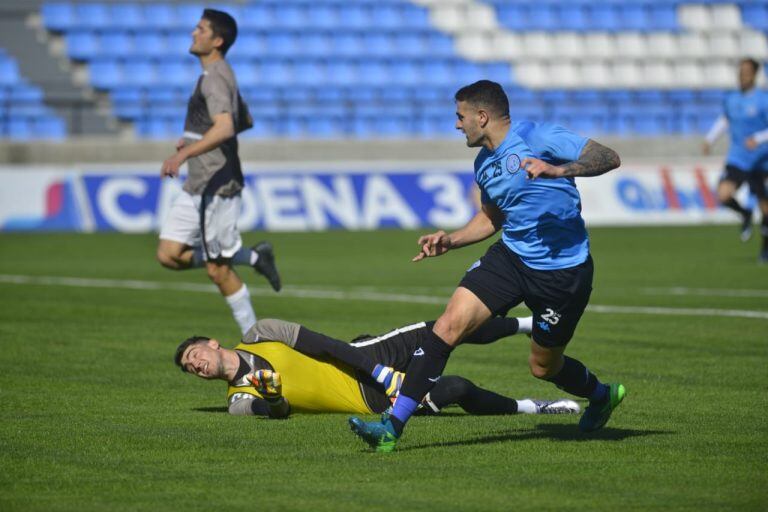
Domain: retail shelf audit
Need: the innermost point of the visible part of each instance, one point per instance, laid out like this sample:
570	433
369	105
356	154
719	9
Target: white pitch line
371	296
706	292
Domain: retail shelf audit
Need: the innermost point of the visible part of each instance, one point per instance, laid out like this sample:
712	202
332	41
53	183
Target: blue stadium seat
178	42
168	71
275	72
316	44
377	72
513	16
58	16
542	17
127	16
161	16
19	128
440	45
382	44
309	72
323	16
256	16
604	17
9	71
105	73
116	43
281	44
152	43
49	127
347	44
573	17
187	15
663	16
142	72
324	126
355	16
415	17
755	15
93	15
412	44
635	17
127	102
288	15
82	44
387	15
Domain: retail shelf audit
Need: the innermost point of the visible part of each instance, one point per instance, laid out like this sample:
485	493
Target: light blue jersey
543	223
747	113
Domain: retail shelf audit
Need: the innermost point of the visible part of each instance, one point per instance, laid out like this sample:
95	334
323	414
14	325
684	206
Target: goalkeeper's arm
273	404
250	405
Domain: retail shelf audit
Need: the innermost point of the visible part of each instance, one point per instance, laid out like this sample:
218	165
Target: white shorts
222	239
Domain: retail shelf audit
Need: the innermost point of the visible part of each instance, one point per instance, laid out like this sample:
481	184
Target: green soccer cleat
379	436
596	415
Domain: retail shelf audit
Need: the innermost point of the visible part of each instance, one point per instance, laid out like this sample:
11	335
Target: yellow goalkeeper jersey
309	385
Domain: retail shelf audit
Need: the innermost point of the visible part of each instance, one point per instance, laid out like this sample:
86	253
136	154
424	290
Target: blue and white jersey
747	114
543	223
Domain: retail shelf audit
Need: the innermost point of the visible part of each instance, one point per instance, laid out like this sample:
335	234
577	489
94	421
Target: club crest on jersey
513	164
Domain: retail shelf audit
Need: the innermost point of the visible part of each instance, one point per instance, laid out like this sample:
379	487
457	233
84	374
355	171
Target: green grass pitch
96	417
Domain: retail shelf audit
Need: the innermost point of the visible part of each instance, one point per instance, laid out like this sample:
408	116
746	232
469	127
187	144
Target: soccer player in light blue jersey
745	116
526	173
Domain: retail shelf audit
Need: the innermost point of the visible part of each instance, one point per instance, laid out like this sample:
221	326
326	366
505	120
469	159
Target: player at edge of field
526	173
281	366
745	117
201	227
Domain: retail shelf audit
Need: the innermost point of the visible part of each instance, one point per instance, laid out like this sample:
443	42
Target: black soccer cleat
265	264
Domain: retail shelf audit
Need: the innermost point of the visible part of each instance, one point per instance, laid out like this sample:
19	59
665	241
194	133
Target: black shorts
557	298
394	348
756	179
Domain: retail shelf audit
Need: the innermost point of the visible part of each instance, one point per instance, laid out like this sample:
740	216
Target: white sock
526	406
526	325
240	302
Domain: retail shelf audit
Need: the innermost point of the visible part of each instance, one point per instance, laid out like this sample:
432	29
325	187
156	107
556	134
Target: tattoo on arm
595	159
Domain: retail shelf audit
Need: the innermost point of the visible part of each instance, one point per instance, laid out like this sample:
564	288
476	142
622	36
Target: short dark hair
183	346
753	62
485	93
222	25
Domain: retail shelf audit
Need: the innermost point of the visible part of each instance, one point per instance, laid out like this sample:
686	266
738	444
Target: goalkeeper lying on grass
280	367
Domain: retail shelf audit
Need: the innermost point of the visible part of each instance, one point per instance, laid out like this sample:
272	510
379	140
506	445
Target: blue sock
402	410
242	257
600	393
577	380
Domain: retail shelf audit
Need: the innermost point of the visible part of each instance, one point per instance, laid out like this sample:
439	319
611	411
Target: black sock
492	330
319	345
764	232
423	372
734	205
458	390
574	378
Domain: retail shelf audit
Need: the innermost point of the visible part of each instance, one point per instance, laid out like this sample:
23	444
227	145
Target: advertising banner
279	198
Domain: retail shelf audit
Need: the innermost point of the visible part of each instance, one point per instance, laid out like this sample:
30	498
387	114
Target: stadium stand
366	68
23	114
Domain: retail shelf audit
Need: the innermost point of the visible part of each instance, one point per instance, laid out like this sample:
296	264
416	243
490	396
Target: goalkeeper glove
268	384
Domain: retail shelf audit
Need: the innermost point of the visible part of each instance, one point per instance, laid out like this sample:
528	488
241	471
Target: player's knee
458	386
724	194
217	273
449	328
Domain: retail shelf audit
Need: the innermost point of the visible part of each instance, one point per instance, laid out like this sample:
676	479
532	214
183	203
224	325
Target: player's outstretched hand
535	168
434	244
267	383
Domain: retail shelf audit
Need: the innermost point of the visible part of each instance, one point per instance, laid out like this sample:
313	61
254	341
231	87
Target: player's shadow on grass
551	431
210	409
